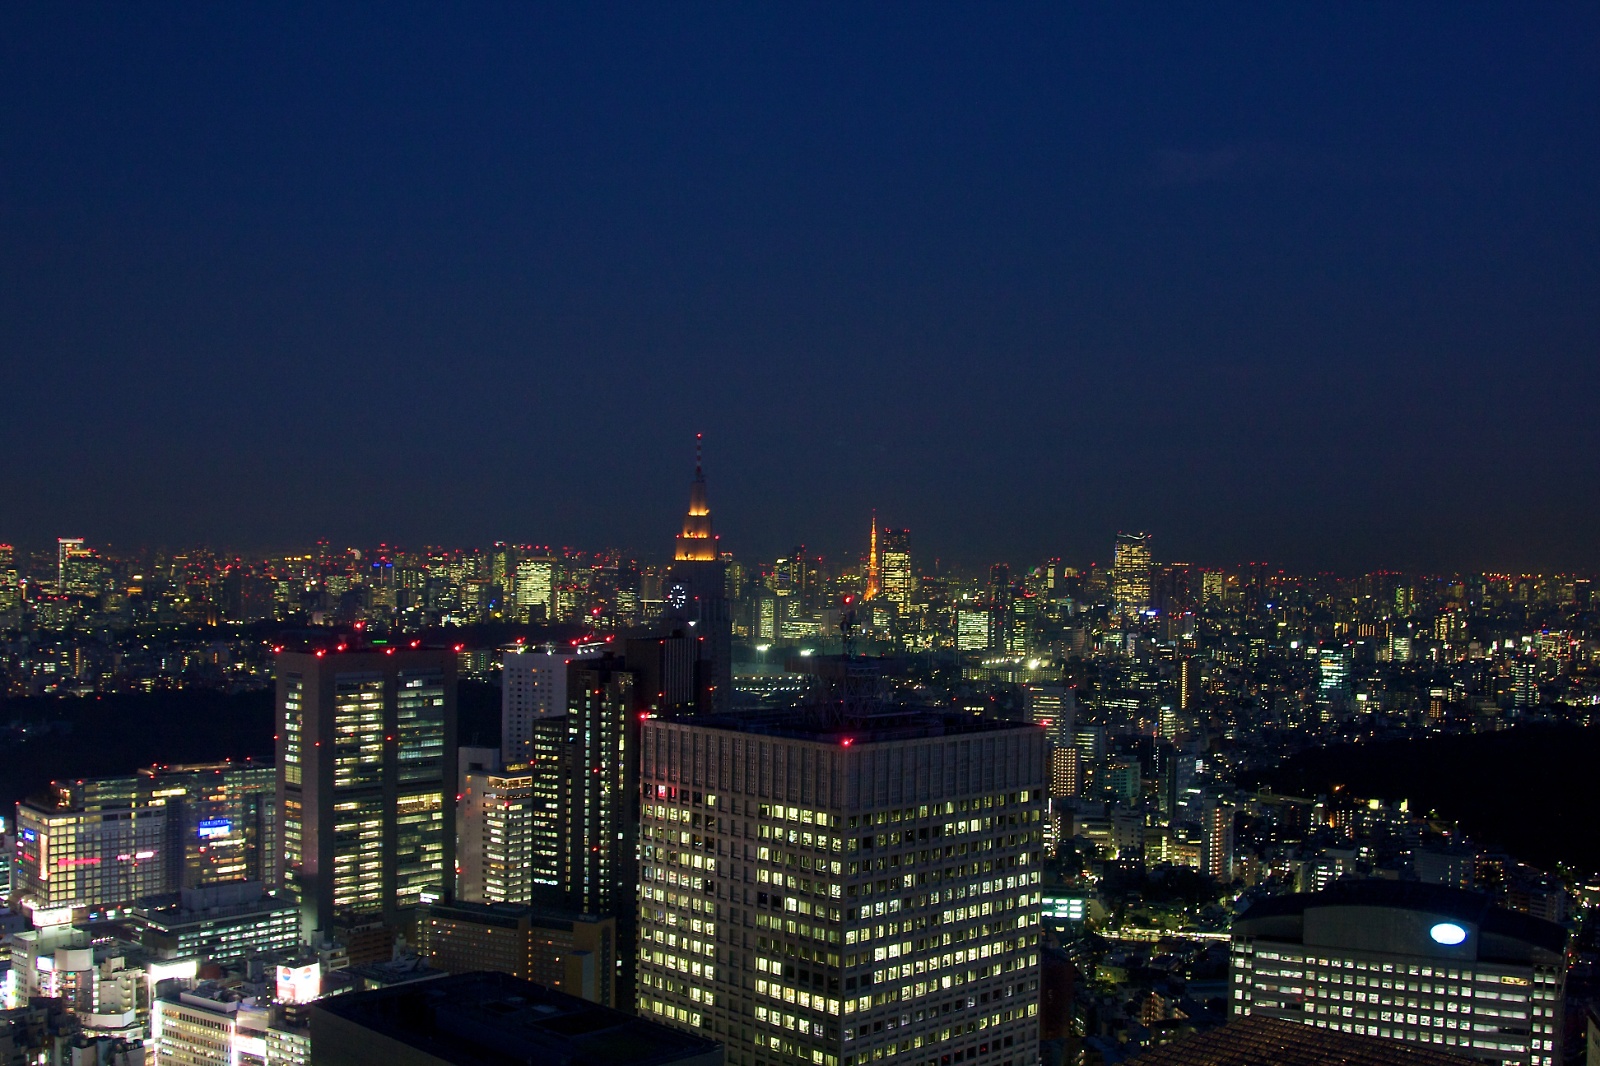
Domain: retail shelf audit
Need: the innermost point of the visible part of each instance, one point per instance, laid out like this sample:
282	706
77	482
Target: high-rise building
366	779
1425	964
96	843
601	804
495	821
1130	567
10	591
67	548
223	818
1055	707
697	598
896	582
1217	852
533	686
972	628
535	588
812	892
83	853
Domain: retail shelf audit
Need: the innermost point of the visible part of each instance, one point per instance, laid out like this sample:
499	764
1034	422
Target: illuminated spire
872	561
697	543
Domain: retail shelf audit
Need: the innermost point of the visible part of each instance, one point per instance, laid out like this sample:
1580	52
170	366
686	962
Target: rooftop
1254	1040
479	1019
1474	907
880	725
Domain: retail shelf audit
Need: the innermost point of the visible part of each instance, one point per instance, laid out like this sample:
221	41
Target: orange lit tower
873	588
697	597
697	544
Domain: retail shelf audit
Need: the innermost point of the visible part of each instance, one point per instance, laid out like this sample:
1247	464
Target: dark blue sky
1315	284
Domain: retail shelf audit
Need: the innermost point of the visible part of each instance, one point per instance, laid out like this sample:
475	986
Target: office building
95	843
366	779
476	1018
1130	569
895	579
67	549
535	588
533	686
559	949
697	597
1054	708
222	923
223	817
10	590
826	890
208	1026
1424	964
972	628
82	852
601	804
497	821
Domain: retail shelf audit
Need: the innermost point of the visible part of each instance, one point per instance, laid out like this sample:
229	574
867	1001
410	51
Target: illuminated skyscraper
1131	573
535	588
66	548
495	836
366	779
814	893
894	568
10	593
600	804
697	597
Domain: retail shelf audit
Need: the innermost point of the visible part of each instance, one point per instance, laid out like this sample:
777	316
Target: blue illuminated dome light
1448	934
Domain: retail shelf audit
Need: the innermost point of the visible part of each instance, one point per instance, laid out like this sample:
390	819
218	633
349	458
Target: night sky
1312	284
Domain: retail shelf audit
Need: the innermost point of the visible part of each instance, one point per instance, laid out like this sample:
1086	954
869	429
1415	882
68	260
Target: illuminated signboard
215	827
1448	933
299	984
1064	908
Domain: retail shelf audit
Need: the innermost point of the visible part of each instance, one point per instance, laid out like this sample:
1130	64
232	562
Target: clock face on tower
677	597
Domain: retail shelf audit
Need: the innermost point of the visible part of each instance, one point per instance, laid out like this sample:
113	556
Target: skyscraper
495	823
66	548
600	869
1131	573
697	598
815	893
535	588
533	686
894	568
366	779
10	593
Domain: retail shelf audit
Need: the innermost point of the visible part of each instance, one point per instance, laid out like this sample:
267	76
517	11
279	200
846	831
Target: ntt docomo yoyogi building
1421	963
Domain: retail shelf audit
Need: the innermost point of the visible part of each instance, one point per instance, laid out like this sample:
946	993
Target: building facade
572	953
1425	964
837	895
366	779
1130	573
